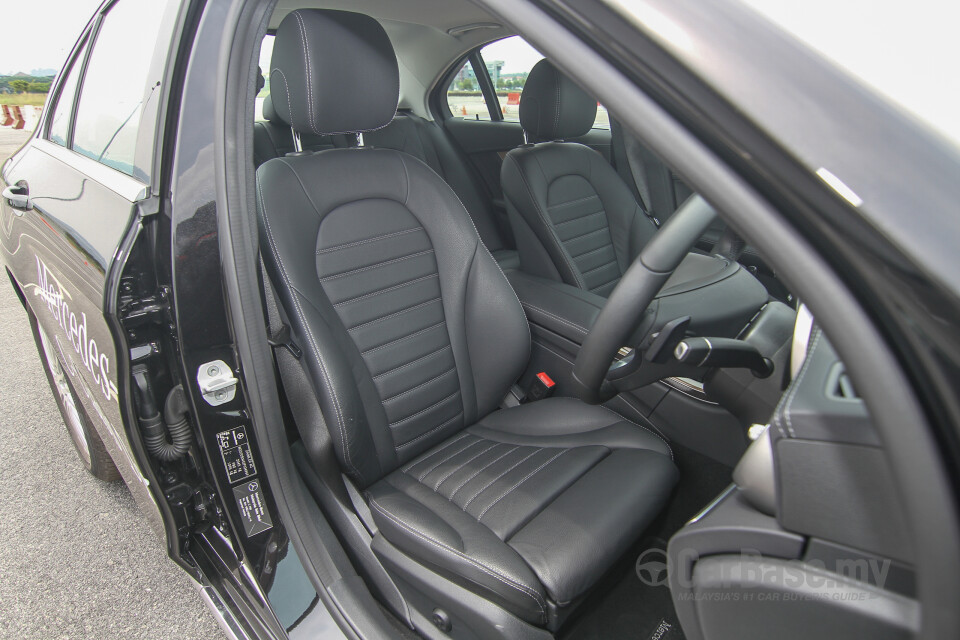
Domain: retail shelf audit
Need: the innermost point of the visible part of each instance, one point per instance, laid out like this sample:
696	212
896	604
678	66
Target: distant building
467	79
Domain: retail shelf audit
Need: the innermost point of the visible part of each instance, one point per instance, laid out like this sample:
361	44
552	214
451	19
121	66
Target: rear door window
266	55
60	120
464	96
507	63
114	90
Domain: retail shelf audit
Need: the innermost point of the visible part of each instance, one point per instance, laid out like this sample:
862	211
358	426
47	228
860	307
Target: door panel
60	252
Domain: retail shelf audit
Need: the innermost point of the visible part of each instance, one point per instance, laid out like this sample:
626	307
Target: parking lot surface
78	560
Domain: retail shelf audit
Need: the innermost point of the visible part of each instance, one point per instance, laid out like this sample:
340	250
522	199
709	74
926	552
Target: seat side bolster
635	485
568	422
497	332
525	187
289	233
433	530
630	227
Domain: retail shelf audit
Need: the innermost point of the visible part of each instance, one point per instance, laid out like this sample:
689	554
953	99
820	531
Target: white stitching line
423	411
402	338
375	265
561	205
309	332
551	231
438	451
429	433
407	364
557	318
479	239
604	266
385	290
796	384
447	459
307	67
525	478
537	598
601	248
350	245
395	313
286	89
490	445
494	481
481	470
587	234
419	386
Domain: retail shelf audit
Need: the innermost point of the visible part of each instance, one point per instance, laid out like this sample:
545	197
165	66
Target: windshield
907	51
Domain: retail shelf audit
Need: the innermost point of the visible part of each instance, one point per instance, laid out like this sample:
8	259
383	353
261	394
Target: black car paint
80	250
100	257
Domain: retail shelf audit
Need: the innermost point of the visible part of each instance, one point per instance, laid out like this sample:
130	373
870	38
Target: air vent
840	386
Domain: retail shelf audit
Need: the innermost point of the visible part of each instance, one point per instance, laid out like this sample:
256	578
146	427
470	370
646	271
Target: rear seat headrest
270	112
333	72
553	107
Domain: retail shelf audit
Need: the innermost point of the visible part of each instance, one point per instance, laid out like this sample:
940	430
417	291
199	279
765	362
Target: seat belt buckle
542	386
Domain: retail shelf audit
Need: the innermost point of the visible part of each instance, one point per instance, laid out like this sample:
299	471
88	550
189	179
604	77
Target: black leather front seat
411	336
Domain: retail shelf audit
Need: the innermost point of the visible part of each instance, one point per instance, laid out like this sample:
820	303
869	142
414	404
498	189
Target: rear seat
413	135
272	137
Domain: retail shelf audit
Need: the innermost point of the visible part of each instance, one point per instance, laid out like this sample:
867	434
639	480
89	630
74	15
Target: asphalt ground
77	558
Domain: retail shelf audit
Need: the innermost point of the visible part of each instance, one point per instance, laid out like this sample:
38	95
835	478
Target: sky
44	35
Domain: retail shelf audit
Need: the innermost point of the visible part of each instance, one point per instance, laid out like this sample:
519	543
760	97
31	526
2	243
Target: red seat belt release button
542	386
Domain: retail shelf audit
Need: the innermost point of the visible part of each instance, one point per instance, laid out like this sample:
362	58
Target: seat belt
631	158
292	377
640	169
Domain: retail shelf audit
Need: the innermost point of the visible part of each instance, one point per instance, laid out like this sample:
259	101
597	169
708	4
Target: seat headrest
260	79
552	107
270	112
333	72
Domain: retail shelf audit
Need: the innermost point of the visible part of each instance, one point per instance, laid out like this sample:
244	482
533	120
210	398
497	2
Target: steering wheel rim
633	294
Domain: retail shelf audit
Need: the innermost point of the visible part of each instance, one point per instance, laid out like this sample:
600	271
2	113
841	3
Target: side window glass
266	54
115	84
60	120
464	97
508	62
603	118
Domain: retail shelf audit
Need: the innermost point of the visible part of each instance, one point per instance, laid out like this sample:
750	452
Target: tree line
24	84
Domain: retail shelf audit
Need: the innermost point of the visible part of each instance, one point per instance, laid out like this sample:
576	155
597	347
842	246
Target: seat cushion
530	506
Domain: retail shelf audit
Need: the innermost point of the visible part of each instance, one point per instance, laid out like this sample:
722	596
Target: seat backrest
409	330
573	218
657	188
407	132
427	141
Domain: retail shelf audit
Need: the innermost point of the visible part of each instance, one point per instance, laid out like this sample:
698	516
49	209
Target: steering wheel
633	294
